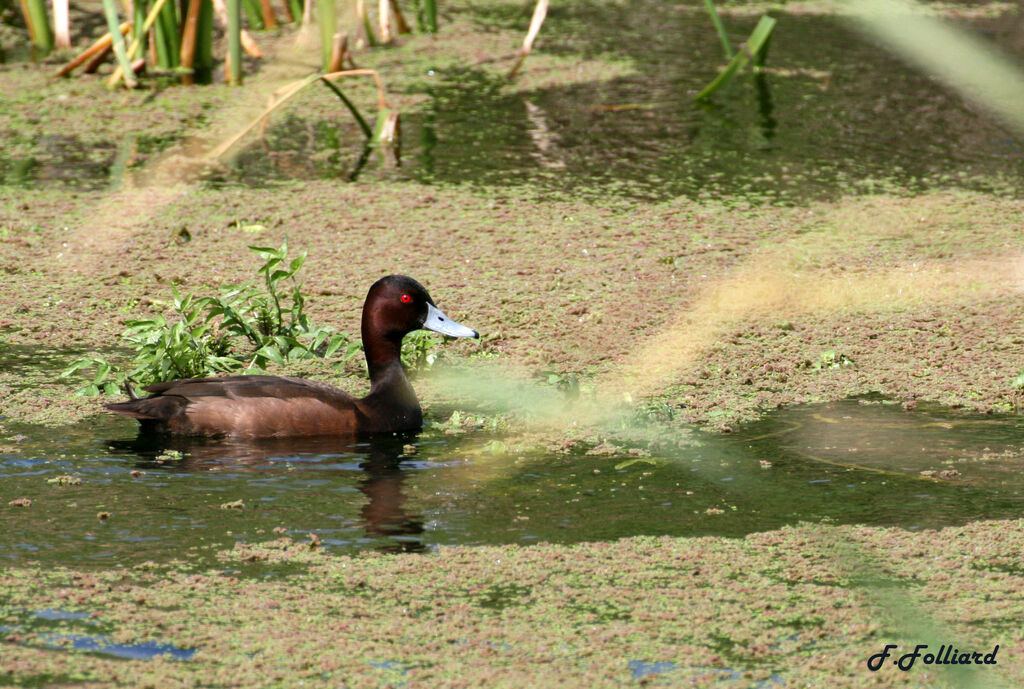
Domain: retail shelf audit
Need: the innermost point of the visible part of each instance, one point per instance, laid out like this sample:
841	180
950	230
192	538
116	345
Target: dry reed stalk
384	21
401	25
61	24
539	13
98	59
283	94
100	45
269	18
187	56
339	53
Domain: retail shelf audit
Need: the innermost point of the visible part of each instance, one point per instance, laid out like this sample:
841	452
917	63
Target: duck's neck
390	390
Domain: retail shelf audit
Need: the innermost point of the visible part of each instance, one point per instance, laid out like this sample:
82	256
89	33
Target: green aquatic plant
244	328
754	50
418	349
830	359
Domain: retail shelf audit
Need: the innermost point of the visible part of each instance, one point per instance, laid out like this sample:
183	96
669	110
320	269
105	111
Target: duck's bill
440	323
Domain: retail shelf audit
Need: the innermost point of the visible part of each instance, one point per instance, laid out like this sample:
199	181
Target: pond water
834	115
856	461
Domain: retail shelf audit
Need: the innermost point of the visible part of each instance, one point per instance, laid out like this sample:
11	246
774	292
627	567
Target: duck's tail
157	408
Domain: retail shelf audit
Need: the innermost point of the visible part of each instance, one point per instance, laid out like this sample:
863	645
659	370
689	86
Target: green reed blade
139	8
717	21
42	35
327	19
114	24
235	40
430	15
254	13
352	108
296	7
168	19
204	42
163	48
755	44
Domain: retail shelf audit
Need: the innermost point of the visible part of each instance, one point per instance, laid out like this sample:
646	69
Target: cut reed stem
339	52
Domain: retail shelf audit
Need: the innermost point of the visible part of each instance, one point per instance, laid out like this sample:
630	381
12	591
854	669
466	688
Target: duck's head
397	305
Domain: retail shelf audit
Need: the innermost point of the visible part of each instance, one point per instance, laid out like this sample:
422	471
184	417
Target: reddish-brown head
397	305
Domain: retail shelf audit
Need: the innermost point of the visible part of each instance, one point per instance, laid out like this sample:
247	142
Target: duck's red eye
405	298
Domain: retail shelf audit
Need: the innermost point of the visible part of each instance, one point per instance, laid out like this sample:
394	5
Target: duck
261	406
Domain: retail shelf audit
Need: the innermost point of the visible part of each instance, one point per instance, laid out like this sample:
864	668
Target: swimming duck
282	406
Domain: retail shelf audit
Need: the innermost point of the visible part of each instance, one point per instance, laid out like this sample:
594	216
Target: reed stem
99	46
114	24
42	37
327	18
719	28
61	26
187	56
234	42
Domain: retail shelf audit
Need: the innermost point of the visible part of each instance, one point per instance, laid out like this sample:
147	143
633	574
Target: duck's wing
238	387
253	406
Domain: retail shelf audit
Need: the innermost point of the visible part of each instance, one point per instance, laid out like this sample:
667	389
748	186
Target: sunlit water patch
95	494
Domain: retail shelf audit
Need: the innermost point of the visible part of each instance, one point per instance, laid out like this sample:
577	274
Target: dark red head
397	305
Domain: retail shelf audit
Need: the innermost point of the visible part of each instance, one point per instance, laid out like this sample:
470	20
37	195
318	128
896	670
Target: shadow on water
859	461
834	115
379	460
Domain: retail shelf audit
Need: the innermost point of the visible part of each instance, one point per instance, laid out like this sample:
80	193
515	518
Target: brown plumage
281	406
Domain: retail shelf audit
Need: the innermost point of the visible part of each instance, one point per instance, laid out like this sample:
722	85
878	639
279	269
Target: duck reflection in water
380	457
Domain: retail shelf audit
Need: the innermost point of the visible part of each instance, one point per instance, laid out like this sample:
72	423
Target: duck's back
245	406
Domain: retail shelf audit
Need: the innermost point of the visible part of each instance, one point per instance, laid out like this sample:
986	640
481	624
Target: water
81	631
835	115
856	461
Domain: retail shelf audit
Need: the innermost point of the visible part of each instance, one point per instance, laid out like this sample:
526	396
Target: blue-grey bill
440	323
